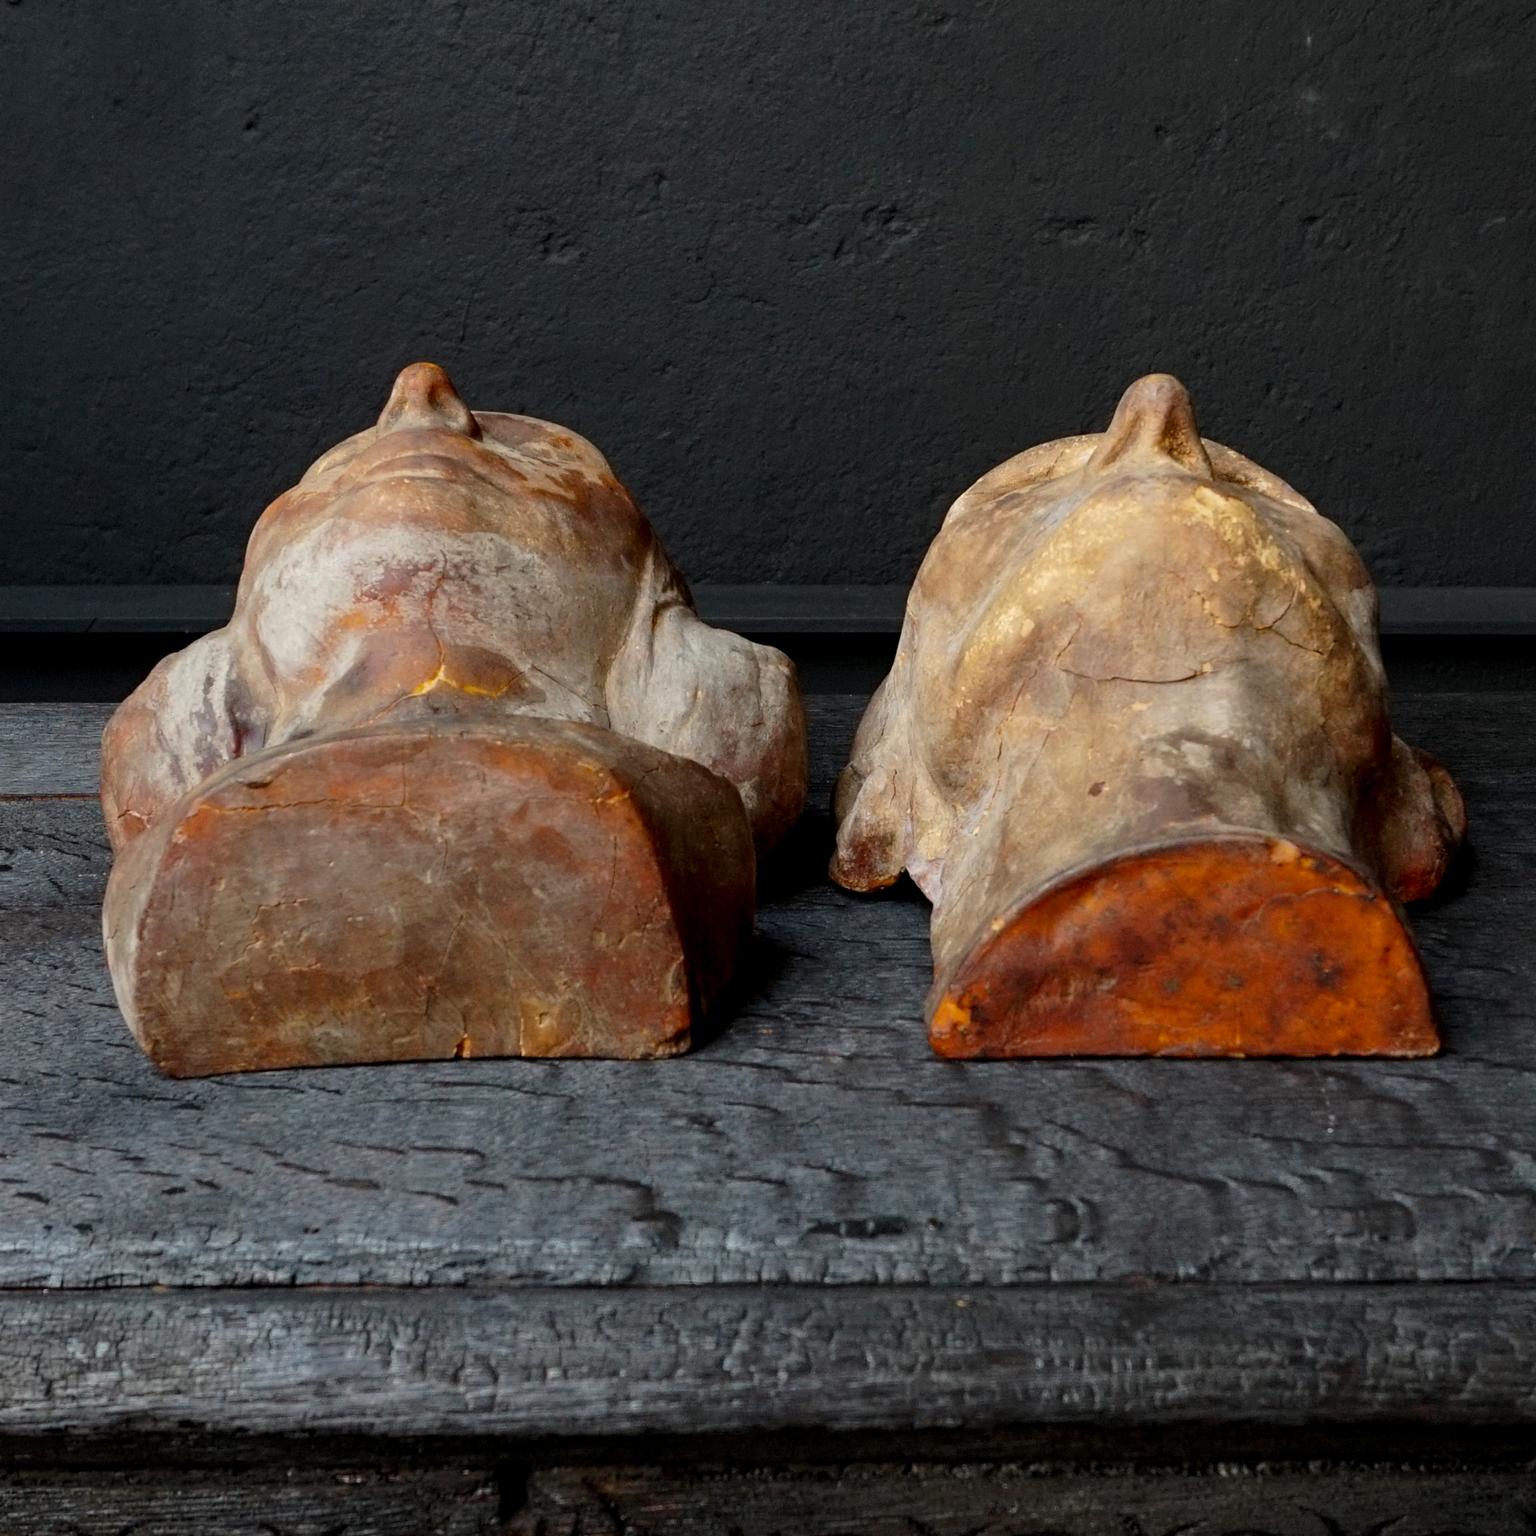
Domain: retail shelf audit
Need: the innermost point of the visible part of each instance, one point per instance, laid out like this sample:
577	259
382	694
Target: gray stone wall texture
801	268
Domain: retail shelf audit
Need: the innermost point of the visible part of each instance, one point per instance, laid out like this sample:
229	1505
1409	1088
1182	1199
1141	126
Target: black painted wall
802	268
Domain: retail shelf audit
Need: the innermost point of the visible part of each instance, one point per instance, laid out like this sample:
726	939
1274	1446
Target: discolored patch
1233	947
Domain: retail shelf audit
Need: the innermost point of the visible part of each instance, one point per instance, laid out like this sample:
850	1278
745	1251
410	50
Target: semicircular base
515	888
1237	946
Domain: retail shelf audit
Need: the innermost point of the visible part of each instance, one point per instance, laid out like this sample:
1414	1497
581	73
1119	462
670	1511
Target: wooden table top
810	1222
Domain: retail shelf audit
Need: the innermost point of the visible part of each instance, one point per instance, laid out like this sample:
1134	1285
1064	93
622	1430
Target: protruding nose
424	396
1155	419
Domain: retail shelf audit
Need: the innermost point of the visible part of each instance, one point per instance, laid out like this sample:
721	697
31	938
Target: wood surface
875	1499
809	1223
586	1362
1011	1500
346	1500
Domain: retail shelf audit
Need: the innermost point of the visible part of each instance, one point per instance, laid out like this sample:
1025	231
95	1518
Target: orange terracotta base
528	888
1243	946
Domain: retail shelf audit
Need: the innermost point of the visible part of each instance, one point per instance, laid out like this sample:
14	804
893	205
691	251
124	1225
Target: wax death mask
1135	748
465	774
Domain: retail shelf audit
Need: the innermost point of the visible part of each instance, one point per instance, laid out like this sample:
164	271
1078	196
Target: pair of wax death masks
466	774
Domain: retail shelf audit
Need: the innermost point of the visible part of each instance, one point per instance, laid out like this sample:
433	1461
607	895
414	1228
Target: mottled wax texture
465	774
1135	748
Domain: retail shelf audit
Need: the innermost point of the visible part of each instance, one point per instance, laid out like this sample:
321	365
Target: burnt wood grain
812	1222
352	1500
565	1362
1010	1500
51	750
876	1499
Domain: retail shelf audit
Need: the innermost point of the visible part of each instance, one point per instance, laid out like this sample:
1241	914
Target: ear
167	736
710	695
1422	822
873	801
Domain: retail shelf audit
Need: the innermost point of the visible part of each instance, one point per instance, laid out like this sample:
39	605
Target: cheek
1355	721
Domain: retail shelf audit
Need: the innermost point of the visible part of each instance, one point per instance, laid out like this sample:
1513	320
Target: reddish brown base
530	888
1237	947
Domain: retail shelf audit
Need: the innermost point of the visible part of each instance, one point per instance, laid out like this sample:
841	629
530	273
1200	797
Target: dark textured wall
802	268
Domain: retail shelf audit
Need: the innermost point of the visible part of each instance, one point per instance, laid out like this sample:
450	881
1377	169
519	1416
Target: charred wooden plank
554	1362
